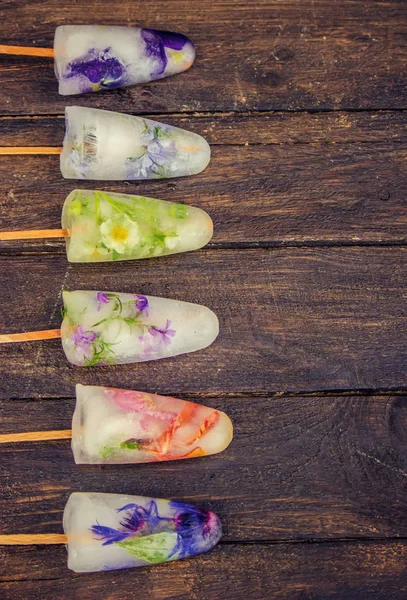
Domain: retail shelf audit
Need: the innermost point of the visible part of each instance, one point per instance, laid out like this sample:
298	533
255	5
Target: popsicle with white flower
93	58
104	226
113	426
103	532
104	145
109	328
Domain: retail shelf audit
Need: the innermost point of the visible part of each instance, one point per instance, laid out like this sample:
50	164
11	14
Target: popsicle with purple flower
108	328
93	58
105	145
112	328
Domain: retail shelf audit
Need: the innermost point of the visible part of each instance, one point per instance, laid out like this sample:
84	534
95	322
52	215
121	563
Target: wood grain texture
231	128
290	320
273	180
261	572
302	102
299	468
313	54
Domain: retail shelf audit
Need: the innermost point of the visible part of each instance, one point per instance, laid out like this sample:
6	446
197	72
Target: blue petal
108	534
127	507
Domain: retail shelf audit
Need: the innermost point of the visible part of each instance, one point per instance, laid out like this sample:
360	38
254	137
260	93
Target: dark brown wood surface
260	186
300	468
303	104
291	320
263	55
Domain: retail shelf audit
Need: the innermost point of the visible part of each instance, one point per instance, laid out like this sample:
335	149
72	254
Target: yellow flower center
176	55
119	233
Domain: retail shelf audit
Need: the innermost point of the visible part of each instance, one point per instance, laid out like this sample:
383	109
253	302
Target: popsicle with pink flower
108	328
114	426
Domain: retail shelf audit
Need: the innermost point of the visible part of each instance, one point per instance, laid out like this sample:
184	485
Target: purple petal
90	337
100	68
155	49
142	303
175	41
102	297
109	535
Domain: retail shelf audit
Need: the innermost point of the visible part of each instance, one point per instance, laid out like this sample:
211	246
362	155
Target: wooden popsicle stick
8	150
29	336
35	234
31	539
36	436
26	51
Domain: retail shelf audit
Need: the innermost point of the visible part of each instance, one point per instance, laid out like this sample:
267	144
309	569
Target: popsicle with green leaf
111	328
103	532
103	226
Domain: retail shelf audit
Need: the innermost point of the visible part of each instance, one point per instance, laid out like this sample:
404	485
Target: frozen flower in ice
102	69
120	234
164	334
155	155
81	338
156	43
142	304
102	298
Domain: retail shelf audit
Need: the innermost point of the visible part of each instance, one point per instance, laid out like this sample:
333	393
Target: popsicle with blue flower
104	532
109	328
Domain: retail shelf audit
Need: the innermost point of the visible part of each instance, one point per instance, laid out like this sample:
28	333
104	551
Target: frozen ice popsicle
90	58
104	226
104	145
108	328
122	426
111	531
101	328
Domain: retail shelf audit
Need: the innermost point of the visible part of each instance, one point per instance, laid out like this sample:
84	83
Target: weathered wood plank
226	129
299	468
291	572
292	55
300	184
290	320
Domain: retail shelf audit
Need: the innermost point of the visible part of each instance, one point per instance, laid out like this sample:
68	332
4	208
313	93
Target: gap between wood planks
339	540
58	248
221	114
362	393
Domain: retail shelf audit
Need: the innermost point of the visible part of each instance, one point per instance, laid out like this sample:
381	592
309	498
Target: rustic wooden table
302	102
